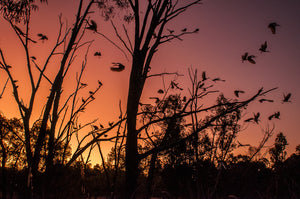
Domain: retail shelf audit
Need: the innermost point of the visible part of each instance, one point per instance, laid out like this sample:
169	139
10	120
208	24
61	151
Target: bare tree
61	117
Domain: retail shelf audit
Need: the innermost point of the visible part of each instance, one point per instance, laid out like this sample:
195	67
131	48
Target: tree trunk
136	84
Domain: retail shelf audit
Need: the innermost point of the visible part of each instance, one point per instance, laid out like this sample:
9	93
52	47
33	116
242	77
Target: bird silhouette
218	79
83	84
184	30
286	98
100	83
42	37
250	59
97	54
92	26
33	57
245	56
275	115
110	123
160	91
263	47
273	26
95	127
265	100
119	67
204	76
237	92
196	30
255	118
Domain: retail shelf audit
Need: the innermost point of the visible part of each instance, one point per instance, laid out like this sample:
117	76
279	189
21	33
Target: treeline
239	178
211	171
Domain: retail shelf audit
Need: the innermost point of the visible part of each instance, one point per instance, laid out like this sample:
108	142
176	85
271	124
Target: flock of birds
263	48
250	58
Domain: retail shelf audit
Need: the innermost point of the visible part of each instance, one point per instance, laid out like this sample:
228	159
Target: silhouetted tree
60	116
277	152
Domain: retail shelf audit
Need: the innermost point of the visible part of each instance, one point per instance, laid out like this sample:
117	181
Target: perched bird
97	54
160	91
100	83
95	127
92	26
184	30
33	57
83	84
265	100
196	30
237	93
245	56
91	92
250	59
275	115
42	37
263	47
101	126
204	76
184	99
120	67
273	26
110	123
286	97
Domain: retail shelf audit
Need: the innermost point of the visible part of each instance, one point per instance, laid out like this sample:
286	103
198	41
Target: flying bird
97	54
275	115
237	93
245	56
42	37
265	100
286	97
250	59
218	79
263	47
92	26
255	118
273	26
117	67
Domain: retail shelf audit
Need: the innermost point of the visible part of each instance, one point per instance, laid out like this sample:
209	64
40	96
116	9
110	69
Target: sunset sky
228	29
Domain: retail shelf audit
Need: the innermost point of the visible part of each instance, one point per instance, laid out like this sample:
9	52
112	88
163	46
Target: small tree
277	152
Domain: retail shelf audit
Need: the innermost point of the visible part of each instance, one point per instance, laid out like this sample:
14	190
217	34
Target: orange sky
227	30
